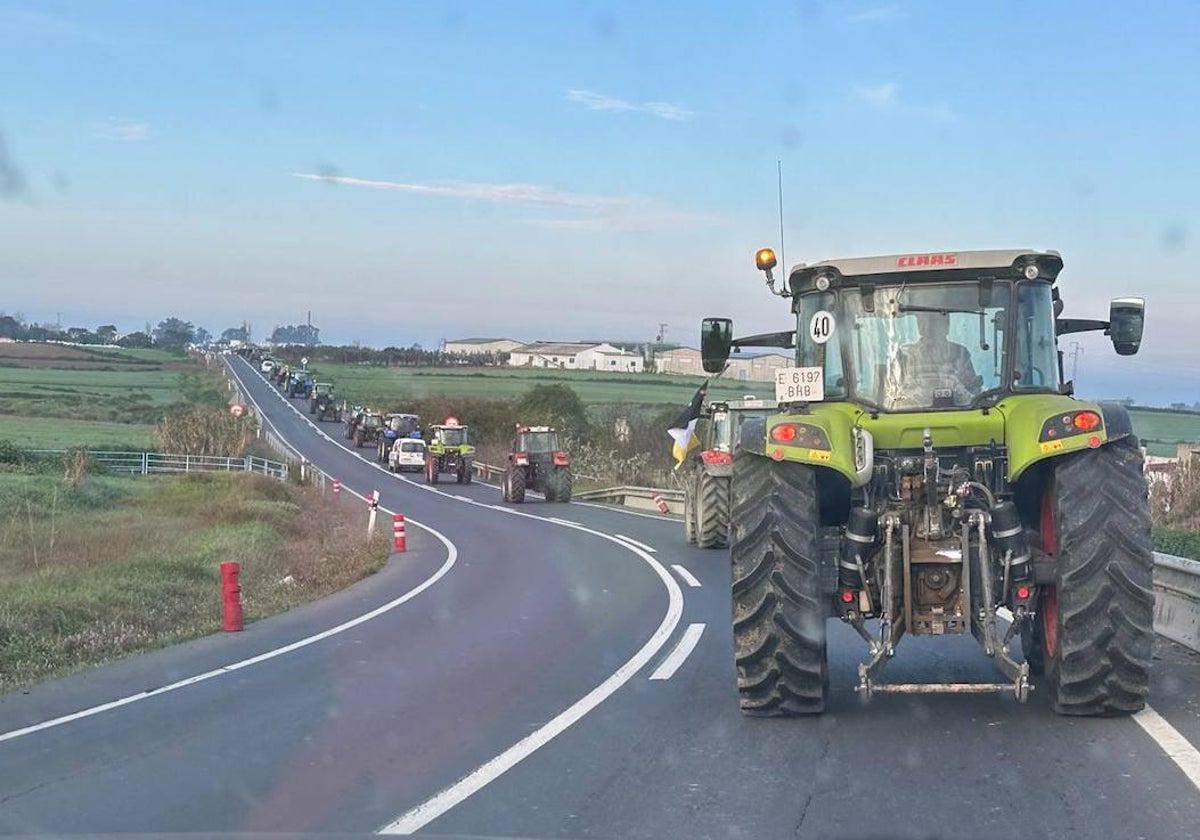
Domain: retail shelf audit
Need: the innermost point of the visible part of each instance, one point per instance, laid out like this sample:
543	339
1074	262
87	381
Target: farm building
744	367
481	345
575	356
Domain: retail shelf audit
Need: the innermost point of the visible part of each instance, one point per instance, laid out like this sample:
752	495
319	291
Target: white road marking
1177	747
451	558
468	499
687	643
640	545
687	576
420	816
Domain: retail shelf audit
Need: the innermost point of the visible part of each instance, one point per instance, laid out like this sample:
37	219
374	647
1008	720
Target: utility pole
656	348
1076	352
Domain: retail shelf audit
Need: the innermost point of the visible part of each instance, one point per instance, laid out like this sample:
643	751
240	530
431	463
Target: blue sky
572	170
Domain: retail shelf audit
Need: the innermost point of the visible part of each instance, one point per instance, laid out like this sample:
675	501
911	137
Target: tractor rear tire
1099	619
431	472
516	487
689	511
467	473
558	485
778	611
712	511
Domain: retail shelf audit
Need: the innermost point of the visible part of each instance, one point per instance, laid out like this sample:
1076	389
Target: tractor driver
933	365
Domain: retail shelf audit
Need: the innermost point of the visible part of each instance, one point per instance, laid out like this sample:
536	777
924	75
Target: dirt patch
66	357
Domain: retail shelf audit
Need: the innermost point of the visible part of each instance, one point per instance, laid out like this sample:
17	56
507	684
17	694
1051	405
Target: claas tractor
927	470
323	403
707	470
448	450
537	462
396	427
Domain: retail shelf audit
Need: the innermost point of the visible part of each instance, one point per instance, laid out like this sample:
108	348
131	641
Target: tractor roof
928	266
524	429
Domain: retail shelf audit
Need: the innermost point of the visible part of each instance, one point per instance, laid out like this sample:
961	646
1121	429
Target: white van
407	454
267	365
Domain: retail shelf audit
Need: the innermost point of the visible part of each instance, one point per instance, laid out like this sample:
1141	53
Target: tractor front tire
712	511
1098	621
778	610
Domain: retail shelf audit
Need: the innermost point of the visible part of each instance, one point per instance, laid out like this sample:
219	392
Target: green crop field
1161	430
57	396
389	387
58	433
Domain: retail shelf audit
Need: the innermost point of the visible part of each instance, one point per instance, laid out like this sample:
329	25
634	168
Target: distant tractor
323	403
396	427
927	465
707	472
448	450
537	462
364	427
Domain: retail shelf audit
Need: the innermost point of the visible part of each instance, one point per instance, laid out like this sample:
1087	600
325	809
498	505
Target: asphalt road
539	662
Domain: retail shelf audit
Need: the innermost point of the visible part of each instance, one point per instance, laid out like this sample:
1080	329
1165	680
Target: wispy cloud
128	131
886	97
874	14
596	211
878	96
603	102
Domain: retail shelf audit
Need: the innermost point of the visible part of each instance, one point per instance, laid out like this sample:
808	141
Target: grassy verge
113	566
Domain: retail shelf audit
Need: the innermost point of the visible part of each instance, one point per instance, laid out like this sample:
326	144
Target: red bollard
337	487
231	597
661	502
398	536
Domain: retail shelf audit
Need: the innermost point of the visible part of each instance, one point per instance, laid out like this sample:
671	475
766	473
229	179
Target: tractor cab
322	389
537	462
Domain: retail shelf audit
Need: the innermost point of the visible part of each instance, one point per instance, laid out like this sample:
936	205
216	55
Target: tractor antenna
782	249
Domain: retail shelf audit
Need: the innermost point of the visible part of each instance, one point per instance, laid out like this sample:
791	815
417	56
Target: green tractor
928	471
706	472
323	403
448	450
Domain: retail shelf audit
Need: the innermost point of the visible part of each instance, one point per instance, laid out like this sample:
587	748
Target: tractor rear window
539	442
453	437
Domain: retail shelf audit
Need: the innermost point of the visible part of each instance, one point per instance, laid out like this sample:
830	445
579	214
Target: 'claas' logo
914	260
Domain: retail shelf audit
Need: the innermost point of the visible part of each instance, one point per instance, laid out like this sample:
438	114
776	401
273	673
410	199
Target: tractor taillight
783	433
1023	592
521	459
716	456
1085	421
847	596
561	459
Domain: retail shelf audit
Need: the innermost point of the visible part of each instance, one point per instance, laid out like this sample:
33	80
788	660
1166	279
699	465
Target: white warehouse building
481	345
567	355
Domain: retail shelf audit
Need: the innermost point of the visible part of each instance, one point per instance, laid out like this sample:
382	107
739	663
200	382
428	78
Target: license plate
799	384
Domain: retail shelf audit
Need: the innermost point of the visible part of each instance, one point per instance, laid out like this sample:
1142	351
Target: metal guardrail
1177	599
151	463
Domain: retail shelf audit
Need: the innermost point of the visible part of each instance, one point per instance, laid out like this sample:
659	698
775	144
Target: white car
267	365
407	454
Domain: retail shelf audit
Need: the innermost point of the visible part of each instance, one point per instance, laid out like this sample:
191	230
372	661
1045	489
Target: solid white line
687	576
1177	747
420	816
687	643
640	545
451	558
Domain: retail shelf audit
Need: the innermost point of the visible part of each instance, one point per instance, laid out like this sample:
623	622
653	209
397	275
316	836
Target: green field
50	433
389	387
58	396
1161	430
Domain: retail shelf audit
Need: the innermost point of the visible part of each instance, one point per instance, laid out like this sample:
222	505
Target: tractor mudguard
1117	421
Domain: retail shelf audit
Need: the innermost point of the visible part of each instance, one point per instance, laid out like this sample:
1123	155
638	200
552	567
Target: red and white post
231	597
661	502
398	535
337	488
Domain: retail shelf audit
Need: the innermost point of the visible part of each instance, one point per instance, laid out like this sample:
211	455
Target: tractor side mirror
1126	318
716	339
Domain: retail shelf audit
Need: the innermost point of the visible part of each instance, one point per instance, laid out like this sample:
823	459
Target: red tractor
537	462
